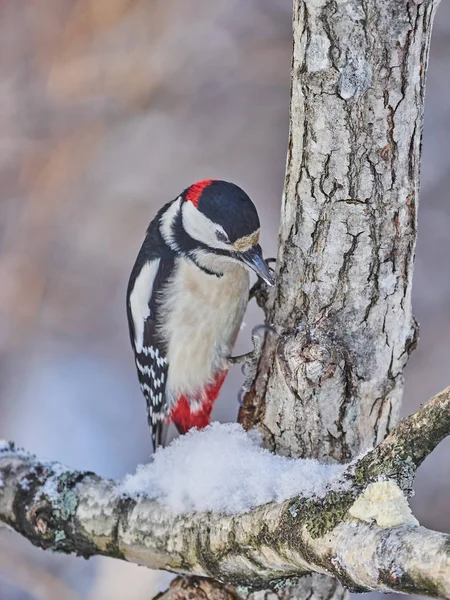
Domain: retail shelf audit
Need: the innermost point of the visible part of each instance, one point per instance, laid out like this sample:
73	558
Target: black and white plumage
186	298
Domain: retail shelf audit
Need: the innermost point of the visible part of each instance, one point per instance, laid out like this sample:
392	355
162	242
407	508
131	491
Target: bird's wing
149	276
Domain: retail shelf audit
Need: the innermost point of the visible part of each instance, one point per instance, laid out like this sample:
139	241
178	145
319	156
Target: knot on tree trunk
309	358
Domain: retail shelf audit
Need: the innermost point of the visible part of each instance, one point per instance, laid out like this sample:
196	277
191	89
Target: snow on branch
285	517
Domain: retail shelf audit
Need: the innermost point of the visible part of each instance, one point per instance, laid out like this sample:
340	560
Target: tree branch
186	588
414	438
361	532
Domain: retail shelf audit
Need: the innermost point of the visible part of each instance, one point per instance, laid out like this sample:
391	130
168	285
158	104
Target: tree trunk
330	386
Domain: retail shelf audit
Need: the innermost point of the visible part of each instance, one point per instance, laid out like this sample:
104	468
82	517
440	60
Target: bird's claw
250	360
240	397
257	340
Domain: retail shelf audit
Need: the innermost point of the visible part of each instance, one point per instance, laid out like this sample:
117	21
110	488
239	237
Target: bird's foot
250	360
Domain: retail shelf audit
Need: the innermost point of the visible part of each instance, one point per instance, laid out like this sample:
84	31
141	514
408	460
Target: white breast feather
139	299
200	319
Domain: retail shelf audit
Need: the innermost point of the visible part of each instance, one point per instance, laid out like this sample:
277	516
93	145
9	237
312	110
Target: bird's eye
221	237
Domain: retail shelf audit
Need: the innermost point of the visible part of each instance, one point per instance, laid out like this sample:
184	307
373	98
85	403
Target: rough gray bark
342	305
348	225
331	385
187	588
361	532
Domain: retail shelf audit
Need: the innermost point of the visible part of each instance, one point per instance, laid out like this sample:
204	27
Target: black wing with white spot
151	271
152	368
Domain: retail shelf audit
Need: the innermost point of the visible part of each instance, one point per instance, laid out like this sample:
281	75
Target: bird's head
216	224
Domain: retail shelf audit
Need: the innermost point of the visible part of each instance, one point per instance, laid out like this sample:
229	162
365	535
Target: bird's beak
253	259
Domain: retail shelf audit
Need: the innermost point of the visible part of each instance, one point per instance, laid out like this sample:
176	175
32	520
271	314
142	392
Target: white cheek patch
167	221
201	228
139	299
215	263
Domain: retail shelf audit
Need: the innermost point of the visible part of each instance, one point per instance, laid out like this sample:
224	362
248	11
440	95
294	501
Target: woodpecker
186	299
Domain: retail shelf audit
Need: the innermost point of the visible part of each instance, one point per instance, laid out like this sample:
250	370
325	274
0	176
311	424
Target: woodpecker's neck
211	263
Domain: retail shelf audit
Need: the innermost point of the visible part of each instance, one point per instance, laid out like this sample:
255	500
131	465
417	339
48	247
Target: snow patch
223	469
24	484
385	503
50	487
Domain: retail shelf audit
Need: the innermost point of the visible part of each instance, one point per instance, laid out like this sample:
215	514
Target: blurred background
108	109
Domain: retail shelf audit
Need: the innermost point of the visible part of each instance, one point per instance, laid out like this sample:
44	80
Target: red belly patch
181	414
